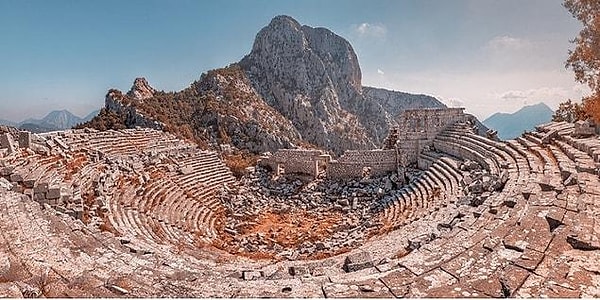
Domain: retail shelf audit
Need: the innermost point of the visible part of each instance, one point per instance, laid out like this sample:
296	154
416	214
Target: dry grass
238	163
73	166
107	226
290	230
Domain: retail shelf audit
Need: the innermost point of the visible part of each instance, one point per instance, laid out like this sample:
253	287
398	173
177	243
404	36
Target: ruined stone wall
353	163
296	160
417	130
418	127
350	165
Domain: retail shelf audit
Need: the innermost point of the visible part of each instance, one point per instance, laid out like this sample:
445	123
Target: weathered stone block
24	139
299	271
78	212
53	193
41	187
358	261
39	197
251	275
29	183
16	178
10	290
66	198
18	189
6	142
6	171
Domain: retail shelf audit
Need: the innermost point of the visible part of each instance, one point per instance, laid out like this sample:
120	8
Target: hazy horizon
488	56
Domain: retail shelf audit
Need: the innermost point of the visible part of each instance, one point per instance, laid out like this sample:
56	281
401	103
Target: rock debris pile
347	207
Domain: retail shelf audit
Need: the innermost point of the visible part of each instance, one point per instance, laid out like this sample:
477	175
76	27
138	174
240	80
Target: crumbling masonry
416	131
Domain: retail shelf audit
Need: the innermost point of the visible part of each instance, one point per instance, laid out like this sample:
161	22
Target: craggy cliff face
141	89
311	76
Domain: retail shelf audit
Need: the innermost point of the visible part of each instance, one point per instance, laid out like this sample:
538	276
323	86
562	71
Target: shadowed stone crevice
585	244
553	223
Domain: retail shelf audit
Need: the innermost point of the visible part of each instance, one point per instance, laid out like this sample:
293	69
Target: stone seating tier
534	238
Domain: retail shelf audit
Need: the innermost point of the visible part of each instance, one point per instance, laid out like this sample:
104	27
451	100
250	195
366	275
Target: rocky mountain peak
312	76
141	89
305	56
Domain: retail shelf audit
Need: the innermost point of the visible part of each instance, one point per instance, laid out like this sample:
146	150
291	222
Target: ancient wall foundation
353	164
299	161
418	127
359	163
416	131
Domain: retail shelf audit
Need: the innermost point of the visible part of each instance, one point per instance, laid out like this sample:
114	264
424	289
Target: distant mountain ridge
510	126
55	120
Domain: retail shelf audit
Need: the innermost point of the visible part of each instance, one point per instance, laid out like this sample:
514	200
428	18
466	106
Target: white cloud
370	30
549	95
380	72
537	94
513	96
504	43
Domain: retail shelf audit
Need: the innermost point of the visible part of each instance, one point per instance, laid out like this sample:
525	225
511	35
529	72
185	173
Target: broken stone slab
40	187
343	202
251	275
60	143
299	271
358	261
185	170
16	178
53	193
117	289
571	180
6	143
5	184
24	139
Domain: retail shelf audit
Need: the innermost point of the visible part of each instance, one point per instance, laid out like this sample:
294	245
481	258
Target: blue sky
485	55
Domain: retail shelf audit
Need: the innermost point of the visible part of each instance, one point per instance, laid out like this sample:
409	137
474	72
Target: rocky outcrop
116	102
311	76
234	113
141	89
